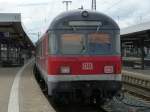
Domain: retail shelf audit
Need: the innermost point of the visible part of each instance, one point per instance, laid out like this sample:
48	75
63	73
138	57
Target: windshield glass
99	43
72	43
91	43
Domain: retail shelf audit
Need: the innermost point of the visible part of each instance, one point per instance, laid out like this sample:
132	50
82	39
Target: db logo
87	66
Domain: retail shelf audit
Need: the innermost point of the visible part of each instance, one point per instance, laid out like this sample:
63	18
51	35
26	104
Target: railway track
136	90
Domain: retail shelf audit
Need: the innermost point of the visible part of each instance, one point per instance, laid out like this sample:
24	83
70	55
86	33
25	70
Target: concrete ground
7	76
30	98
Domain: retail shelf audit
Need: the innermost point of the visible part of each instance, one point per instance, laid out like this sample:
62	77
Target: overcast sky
37	14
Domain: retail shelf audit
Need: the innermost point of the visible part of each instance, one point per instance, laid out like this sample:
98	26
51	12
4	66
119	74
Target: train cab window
72	43
99	43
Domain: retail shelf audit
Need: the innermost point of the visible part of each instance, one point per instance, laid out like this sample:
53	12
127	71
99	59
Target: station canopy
135	44
12	32
139	31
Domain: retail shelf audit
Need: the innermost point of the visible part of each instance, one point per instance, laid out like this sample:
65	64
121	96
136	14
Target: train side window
52	43
40	49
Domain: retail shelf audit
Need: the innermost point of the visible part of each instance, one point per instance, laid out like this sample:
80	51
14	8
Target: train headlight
65	69
109	69
85	14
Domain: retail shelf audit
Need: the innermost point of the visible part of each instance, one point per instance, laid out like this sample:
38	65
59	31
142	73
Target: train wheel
60	99
35	71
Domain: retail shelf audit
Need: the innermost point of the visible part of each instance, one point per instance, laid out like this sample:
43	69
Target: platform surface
27	96
146	71
7	76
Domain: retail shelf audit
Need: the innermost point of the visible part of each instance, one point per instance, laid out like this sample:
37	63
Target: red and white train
79	57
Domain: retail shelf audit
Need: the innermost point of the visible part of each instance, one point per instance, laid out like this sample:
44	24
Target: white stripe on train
110	77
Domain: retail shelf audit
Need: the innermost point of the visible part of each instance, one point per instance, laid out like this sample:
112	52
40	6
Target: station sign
10	17
85	23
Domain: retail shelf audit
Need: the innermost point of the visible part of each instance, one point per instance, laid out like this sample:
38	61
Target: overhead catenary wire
113	5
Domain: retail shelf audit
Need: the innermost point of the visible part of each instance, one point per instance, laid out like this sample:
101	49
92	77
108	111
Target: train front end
84	60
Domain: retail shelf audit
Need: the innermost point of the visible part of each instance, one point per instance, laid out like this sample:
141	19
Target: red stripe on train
83	64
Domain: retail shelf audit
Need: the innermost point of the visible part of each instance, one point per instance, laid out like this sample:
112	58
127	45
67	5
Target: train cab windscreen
72	43
99	43
92	43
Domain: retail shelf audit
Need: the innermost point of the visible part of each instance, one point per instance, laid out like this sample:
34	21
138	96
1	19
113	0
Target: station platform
19	91
7	76
146	71
138	77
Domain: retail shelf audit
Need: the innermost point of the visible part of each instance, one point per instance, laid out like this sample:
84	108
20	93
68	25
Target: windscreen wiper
98	27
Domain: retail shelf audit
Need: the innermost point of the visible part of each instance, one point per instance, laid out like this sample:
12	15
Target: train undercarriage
91	92
85	92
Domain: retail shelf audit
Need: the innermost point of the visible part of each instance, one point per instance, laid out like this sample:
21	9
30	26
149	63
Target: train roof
77	15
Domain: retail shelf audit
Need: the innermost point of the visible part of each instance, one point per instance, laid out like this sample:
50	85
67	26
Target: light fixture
65	69
108	69
85	14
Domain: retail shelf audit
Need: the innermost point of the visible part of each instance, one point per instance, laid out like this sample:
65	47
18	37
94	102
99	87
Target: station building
15	45
135	45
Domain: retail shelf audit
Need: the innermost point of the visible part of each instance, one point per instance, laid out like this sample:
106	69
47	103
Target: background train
79	57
